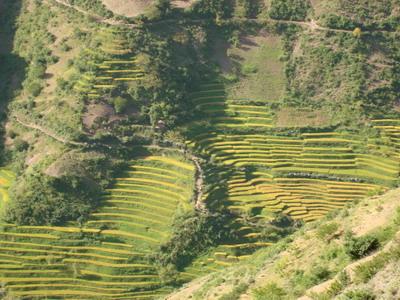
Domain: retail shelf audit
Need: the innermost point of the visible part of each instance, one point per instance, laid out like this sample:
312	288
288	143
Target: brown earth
128	8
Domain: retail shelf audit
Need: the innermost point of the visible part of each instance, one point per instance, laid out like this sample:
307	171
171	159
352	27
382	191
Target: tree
39	199
164	7
120	104
357	32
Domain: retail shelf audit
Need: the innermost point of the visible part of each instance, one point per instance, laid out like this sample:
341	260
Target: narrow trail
312	24
48	133
199	204
199	175
349	270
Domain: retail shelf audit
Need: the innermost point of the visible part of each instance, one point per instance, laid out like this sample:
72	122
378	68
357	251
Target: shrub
326	230
39	199
235	293
20	145
271	291
192	234
95	6
249	69
289	9
359	295
367	270
338	285
120	104
320	273
357	247
34	88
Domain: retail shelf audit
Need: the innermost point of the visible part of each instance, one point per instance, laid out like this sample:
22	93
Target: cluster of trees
192	234
217	9
368	15
335	72
295	10
39	199
94	6
69	189
32	42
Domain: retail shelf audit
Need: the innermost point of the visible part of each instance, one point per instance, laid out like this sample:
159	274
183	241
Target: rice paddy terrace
6	177
108	256
301	173
111	67
253	170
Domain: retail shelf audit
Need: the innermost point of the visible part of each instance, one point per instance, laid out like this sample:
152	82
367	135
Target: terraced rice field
6	178
107	258
258	170
304	175
225	113
116	66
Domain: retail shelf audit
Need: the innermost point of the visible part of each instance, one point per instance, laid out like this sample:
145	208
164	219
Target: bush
367	270
359	295
193	234
326	230
20	145
358	247
249	69
34	88
120	104
320	273
94	6
38	199
289	9
235	293
271	292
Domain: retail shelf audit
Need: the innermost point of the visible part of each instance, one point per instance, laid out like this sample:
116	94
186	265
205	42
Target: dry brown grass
128	8
133	8
293	117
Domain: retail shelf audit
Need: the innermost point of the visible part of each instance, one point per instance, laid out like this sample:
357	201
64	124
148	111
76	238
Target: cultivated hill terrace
207	149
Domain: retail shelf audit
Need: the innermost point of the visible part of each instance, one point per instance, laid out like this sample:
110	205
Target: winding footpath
199	175
312	24
48	133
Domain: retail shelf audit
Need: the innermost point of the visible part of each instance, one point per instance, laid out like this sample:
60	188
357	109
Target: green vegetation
107	255
145	152
289	9
96	7
271	290
362	246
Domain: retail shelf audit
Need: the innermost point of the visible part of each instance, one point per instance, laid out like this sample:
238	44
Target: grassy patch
258	61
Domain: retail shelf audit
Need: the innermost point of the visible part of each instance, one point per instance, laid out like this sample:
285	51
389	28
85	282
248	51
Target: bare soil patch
220	56
187	291
128	8
97	111
381	213
293	117
182	3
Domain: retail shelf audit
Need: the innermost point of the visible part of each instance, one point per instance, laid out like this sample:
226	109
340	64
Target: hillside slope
314	264
147	144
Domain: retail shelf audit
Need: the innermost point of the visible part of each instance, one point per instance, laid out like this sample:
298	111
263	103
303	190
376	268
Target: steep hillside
350	254
238	147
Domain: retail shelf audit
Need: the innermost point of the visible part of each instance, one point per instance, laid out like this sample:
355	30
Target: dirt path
97	18
312	24
350	270
199	204
199	183
48	133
